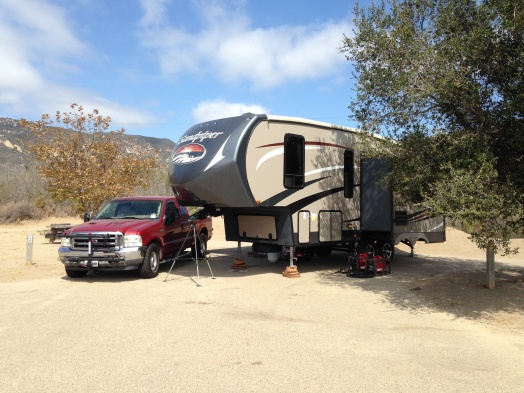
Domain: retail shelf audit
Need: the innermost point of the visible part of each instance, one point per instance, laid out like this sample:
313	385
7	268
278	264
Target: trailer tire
263	247
387	251
369	249
149	266
75	273
309	252
324	251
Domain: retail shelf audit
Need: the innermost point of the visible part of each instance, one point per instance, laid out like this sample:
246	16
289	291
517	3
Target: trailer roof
311	122
317	123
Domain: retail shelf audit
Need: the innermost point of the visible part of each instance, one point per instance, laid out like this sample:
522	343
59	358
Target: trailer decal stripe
275	153
329	168
308	143
219	156
271	154
418	216
296	206
284	194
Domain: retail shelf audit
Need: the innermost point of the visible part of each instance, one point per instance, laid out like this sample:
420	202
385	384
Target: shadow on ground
455	286
418	284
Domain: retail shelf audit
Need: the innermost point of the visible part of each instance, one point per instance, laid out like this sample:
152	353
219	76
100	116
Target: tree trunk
490	267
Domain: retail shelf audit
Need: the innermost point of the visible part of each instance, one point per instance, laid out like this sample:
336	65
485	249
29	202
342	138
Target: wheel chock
238	264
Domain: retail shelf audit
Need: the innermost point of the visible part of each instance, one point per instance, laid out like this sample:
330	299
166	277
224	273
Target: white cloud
230	49
121	116
153	12
41	27
37	41
209	110
33	34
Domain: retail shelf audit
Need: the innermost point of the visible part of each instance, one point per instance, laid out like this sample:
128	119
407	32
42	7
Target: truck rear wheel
149	266
201	246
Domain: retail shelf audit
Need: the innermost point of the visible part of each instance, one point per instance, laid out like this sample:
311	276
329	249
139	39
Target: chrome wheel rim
387	251
154	262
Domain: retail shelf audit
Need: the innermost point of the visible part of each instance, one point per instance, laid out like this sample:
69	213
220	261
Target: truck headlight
65	242
132	241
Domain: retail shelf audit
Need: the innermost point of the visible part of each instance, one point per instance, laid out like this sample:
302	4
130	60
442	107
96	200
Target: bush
24	210
20	211
40	202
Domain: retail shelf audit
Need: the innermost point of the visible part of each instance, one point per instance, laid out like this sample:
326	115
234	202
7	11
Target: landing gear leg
291	270
411	245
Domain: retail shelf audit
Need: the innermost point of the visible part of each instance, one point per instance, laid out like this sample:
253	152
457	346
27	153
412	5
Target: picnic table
56	230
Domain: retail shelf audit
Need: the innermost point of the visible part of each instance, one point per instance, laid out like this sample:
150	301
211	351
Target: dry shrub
64	209
20	211
24	211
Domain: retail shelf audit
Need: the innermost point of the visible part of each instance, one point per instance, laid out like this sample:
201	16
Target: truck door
173	231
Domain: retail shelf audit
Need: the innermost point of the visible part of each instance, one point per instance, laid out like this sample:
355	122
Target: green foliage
84	162
443	81
40	202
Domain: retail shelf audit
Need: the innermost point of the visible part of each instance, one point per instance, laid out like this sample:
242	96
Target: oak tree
443	81
83	161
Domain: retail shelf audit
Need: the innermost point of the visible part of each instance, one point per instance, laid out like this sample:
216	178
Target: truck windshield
130	209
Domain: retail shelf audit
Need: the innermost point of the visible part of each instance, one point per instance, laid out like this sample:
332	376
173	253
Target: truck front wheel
149	266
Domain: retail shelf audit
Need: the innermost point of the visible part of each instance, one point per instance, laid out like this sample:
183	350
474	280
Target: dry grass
11	212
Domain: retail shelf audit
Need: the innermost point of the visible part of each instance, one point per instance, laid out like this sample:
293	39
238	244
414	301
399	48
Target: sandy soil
449	276
429	326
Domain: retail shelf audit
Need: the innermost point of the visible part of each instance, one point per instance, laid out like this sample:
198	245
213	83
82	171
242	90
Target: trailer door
330	226
304	226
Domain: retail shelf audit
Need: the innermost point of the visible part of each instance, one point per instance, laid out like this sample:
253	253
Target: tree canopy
443	81
84	162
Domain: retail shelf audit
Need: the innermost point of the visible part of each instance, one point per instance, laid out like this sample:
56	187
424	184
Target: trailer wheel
324	251
149	266
387	251
369	249
263	247
309	252
75	273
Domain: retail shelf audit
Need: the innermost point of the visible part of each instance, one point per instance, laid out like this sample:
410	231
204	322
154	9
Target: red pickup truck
134	233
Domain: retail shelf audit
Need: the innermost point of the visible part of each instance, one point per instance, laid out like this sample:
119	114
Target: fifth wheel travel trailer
290	182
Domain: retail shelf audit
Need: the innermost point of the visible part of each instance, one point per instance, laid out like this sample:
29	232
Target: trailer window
294	152
349	173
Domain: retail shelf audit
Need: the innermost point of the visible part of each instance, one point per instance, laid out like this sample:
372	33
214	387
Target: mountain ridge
13	138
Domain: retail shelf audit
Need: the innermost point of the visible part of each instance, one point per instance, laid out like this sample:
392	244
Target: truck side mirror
87	217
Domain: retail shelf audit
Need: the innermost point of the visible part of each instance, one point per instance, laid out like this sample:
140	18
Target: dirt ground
429	326
449	276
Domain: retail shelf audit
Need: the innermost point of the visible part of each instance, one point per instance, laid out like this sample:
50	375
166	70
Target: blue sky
158	67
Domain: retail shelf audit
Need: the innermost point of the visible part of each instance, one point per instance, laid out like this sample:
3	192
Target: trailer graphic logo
189	153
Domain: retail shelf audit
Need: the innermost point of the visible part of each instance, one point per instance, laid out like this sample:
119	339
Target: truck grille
98	241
